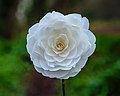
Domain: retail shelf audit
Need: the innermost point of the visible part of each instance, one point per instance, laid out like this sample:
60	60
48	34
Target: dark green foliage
14	70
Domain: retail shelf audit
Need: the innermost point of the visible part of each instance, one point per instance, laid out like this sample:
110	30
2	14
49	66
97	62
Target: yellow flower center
60	45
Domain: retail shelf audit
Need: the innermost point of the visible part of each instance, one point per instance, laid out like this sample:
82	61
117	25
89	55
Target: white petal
51	17
65	77
38	50
74	19
36	59
48	58
85	23
43	43
72	43
69	75
79	65
80	50
57	13
32	30
91	50
74	62
76	33
68	64
74	74
43	64
39	61
82	62
55	74
46	18
64	38
64	63
73	16
72	53
51	39
30	44
40	70
65	53
36	62
58	58
91	36
50	52
52	66
60	26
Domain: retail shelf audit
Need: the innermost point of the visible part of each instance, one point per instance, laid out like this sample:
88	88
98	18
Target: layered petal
72	53
52	74
74	19
79	65
33	29
85	22
30	44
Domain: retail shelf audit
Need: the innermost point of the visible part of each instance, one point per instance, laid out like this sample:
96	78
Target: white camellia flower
59	45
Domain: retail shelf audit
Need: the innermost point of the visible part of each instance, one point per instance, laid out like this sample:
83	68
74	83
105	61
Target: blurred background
100	76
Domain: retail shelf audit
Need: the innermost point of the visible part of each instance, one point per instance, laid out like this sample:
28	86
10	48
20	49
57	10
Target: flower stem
63	87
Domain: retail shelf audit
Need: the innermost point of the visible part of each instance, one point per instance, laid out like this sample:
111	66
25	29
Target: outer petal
40	70
65	77
82	48
72	74
55	74
38	50
74	62
36	59
33	29
91	50
79	65
57	13
69	75
47	18
40	62
91	36
74	19
30	44
85	23
51	17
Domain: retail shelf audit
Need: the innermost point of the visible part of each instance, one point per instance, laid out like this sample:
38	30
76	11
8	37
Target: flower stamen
60	45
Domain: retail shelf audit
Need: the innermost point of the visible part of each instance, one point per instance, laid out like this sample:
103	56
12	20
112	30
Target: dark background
100	77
